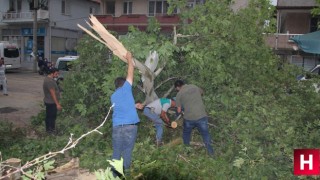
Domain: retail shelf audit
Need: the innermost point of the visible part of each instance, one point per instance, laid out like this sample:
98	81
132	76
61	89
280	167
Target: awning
309	43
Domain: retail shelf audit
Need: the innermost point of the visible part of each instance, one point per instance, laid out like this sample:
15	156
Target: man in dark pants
189	97
51	99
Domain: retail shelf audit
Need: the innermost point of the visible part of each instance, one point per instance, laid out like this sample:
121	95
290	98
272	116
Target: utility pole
35	35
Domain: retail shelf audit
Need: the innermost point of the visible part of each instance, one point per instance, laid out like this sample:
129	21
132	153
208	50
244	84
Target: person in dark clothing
41	66
51	99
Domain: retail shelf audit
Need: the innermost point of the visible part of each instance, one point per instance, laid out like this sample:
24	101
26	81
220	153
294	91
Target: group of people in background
44	66
125	118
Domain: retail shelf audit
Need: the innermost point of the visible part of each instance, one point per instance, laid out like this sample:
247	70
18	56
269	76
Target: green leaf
238	162
117	165
48	165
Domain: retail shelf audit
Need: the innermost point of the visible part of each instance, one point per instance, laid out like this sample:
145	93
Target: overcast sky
274	2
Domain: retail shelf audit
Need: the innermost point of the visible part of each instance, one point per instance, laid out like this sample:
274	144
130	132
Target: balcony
120	24
18	17
280	41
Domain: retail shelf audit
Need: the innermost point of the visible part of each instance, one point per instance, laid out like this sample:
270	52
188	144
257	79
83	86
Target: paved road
25	97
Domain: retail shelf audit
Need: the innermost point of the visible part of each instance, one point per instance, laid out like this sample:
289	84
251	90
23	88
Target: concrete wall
4	6
140	7
79	10
295	3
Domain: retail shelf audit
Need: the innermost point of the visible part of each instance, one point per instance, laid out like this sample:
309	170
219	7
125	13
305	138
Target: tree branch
71	144
161	83
141	88
168	92
160	69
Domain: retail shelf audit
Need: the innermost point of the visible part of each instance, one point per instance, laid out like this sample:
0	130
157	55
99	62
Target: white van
11	54
63	64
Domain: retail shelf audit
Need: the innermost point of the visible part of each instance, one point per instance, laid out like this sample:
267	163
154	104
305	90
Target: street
25	97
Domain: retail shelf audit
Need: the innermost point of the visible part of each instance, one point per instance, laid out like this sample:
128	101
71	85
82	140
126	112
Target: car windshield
63	65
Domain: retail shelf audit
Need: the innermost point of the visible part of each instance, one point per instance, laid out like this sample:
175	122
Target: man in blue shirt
125	117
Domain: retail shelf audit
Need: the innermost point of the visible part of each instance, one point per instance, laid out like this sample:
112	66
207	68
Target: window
65	7
110	7
12	5
127	7
11	52
19	4
64	65
92	10
158	7
314	24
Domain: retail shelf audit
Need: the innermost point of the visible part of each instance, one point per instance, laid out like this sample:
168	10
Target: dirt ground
25	97
25	100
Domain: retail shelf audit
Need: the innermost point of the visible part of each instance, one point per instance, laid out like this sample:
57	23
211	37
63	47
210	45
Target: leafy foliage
258	112
108	174
40	171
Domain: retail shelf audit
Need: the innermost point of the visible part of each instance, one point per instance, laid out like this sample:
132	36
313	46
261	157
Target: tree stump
9	166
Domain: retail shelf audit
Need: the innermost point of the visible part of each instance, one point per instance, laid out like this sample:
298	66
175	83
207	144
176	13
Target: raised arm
130	67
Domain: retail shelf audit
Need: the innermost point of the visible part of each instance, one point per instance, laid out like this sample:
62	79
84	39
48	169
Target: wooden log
70	170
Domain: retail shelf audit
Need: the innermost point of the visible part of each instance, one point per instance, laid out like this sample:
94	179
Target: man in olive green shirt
51	99
189	97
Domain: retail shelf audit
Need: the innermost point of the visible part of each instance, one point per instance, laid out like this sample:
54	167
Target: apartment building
57	20
118	15
294	18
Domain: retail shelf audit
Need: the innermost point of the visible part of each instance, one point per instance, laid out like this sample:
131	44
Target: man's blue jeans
123	139
202	126
158	123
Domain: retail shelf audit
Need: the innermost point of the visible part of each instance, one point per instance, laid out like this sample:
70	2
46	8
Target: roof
309	43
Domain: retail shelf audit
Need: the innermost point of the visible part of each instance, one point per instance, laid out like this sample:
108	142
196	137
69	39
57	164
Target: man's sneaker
6	94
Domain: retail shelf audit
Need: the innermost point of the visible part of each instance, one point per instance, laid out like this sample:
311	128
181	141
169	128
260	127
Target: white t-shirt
2	72
160	104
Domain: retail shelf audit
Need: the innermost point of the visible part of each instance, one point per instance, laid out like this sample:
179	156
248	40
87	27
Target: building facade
294	18
57	33
118	15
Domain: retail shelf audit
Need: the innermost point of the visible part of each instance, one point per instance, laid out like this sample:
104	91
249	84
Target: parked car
63	64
